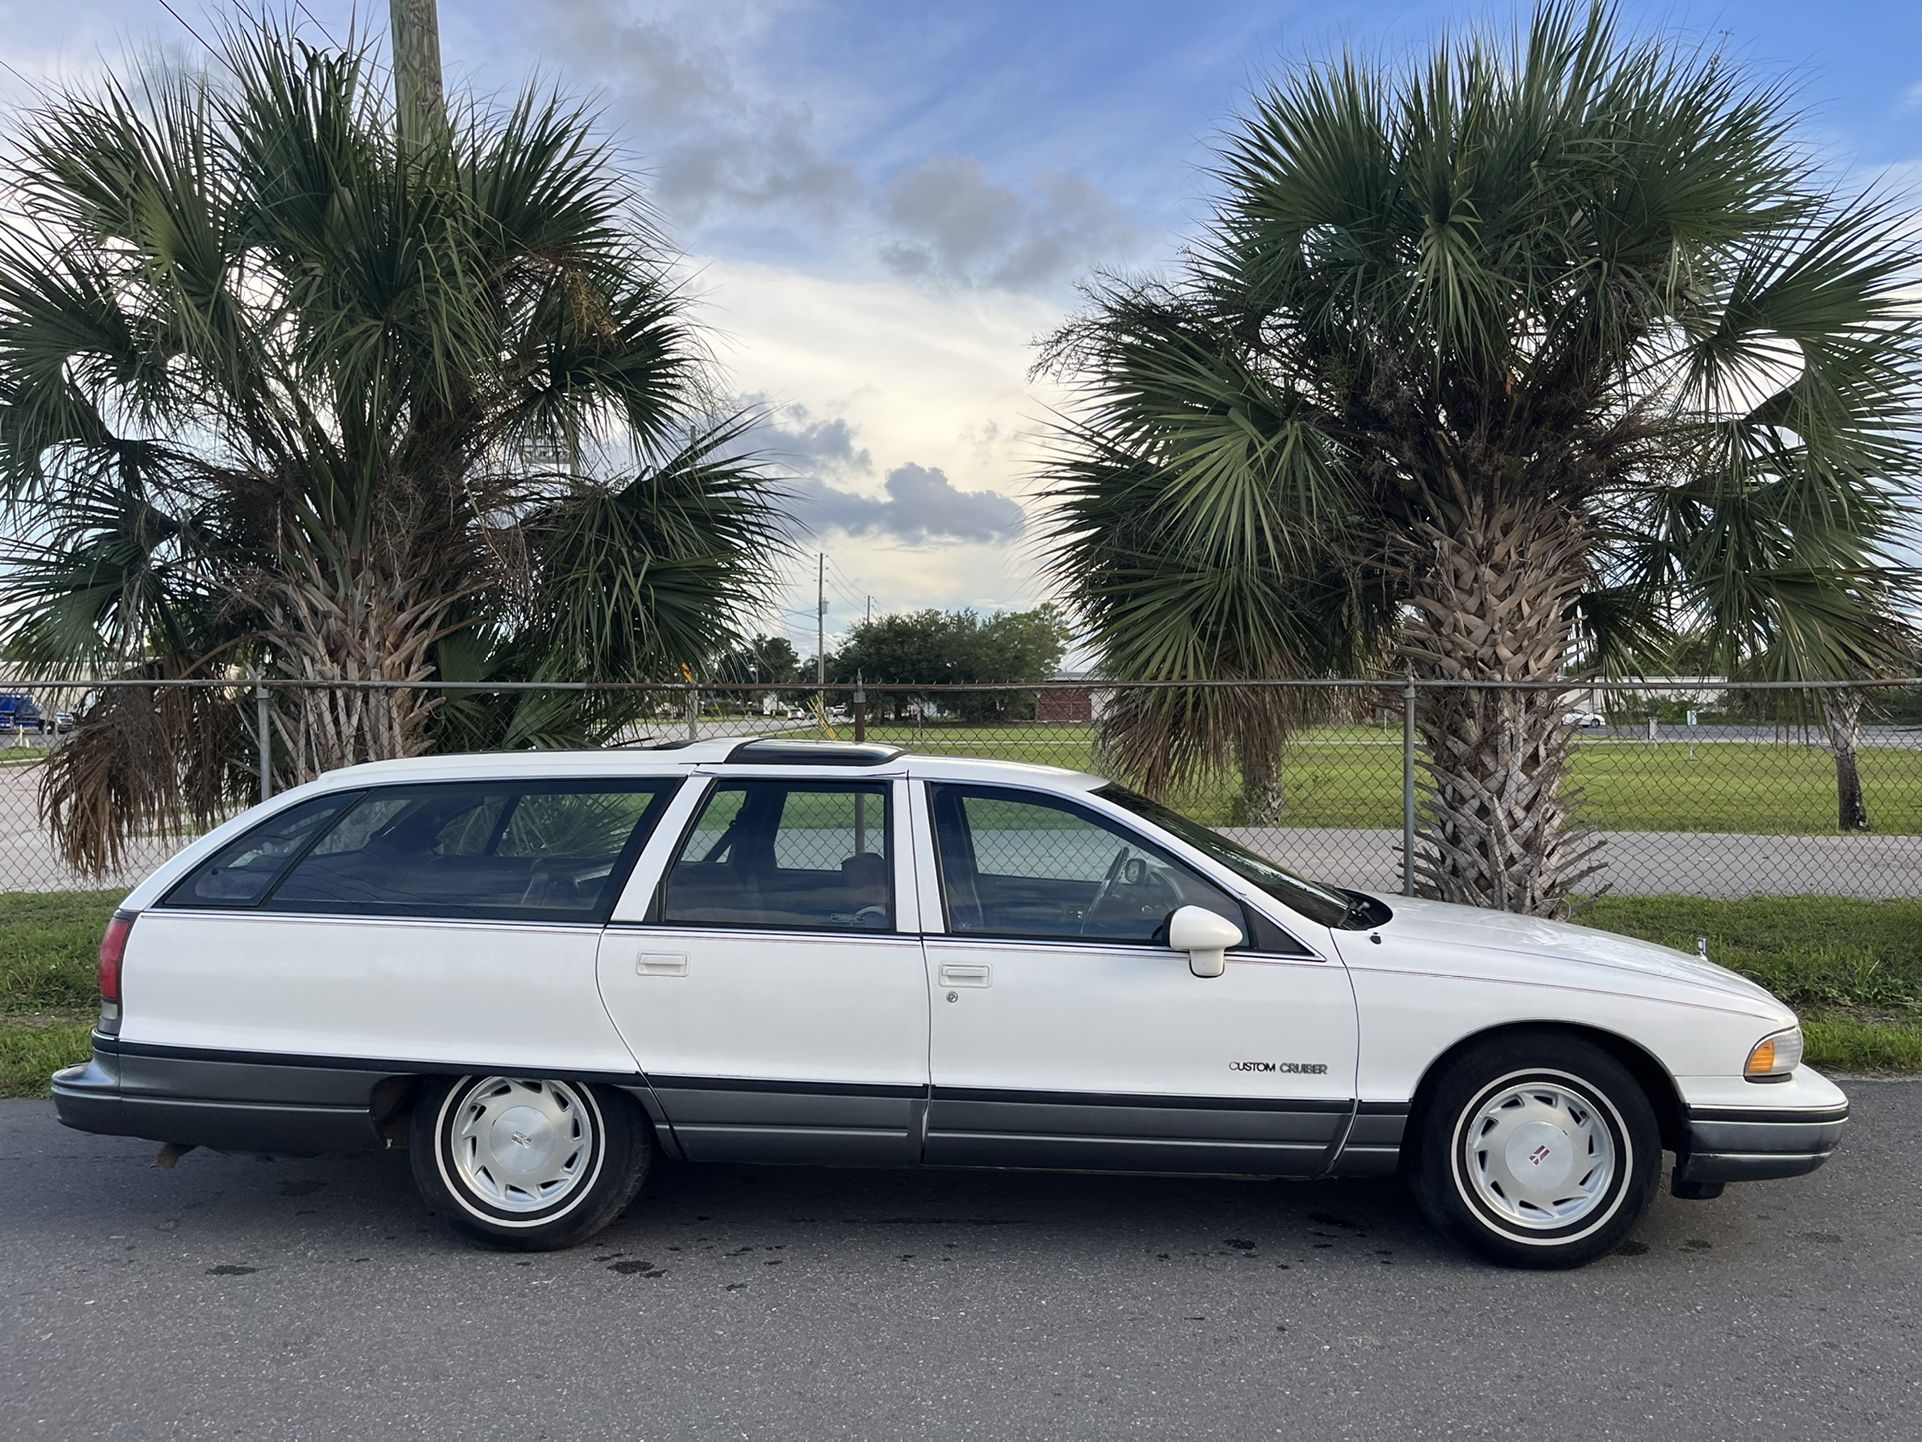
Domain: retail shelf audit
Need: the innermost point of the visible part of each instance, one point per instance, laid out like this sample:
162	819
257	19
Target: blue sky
883	202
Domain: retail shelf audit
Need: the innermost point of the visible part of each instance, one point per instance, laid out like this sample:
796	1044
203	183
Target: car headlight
1774	1057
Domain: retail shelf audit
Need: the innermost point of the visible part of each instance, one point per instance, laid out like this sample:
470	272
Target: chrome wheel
1538	1155
521	1145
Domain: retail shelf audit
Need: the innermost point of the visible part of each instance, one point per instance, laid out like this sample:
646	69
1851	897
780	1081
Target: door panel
1106	1051
1119	1057
797	1029
776	1047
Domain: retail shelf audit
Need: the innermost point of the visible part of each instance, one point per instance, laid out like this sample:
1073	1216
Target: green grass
32	1051
48	944
1350	777
1853	969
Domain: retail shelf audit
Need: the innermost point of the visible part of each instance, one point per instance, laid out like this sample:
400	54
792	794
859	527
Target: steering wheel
1107	888
878	915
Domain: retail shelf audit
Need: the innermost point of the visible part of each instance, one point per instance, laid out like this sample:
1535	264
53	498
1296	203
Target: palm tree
1537	349
280	395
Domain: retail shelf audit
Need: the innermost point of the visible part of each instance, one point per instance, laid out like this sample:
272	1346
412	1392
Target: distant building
1078	705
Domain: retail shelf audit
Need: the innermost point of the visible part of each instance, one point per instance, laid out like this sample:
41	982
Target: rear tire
528	1163
1537	1150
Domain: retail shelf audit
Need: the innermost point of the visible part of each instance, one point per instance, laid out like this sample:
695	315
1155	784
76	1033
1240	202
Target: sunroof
776	752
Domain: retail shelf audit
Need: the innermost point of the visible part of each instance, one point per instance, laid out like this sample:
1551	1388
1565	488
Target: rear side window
242	871
540	851
809	856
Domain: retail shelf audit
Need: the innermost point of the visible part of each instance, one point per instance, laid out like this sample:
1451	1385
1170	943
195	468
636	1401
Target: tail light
113	950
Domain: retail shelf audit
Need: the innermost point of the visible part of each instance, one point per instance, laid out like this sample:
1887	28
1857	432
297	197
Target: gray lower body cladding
245	1101
239	1101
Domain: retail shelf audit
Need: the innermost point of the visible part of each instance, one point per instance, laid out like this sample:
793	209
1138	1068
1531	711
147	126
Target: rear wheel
1537	1151
531	1163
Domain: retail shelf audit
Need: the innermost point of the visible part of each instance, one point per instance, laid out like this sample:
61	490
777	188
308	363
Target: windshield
1313	900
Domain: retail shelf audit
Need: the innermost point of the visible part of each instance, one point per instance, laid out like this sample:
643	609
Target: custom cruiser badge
1299	1068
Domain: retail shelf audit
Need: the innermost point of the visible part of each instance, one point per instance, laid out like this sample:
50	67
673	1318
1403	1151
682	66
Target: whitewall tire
532	1163
1536	1150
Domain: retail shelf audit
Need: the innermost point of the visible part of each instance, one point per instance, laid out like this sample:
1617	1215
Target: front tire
528	1163
1538	1150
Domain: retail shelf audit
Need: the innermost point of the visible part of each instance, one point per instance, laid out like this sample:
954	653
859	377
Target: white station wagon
538	971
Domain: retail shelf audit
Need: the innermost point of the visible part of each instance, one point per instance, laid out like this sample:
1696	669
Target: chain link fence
1695	786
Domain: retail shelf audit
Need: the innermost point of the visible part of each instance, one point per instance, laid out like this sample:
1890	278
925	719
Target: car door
1064	1032
767	972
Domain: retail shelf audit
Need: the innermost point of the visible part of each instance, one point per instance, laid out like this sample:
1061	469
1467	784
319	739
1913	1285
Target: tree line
927	647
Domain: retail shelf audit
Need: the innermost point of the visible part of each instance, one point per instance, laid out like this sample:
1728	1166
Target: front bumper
1768	1131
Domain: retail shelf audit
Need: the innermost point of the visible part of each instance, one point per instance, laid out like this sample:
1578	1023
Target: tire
1537	1100
528	1163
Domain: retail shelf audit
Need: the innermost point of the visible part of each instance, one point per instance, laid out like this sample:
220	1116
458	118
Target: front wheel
1537	1151
530	1163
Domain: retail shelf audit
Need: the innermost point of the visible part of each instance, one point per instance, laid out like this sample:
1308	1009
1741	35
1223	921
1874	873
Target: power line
302	4
182	22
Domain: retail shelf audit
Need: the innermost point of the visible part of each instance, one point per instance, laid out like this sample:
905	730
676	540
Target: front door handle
966	974
658	963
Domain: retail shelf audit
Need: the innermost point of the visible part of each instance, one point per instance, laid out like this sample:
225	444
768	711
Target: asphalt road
242	1298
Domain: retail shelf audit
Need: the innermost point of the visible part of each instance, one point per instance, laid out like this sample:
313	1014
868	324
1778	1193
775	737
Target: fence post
264	738
693	714
860	709
1408	784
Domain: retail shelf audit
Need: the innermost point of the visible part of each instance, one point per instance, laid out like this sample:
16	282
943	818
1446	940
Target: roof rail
776	752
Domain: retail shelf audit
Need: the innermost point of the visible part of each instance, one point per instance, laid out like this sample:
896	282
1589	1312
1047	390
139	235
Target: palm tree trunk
352	637
1264	795
1493	596
1842	720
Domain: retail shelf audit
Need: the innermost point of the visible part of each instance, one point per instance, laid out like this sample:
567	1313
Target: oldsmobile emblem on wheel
536	972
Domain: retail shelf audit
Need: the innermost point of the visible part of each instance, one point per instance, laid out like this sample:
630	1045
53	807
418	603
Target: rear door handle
658	963
965	974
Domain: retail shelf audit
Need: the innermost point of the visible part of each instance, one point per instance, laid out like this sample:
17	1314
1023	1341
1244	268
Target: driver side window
1021	865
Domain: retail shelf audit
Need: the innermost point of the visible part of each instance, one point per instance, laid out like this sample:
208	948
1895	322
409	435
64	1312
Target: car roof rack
776	752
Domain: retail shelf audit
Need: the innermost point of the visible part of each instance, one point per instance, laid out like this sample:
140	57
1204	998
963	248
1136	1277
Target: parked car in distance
20	715
539	971
1584	720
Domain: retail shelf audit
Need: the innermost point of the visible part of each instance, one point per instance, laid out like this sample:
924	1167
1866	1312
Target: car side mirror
1205	936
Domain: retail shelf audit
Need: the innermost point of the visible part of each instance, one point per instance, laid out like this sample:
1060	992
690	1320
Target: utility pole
413	34
821	620
870	619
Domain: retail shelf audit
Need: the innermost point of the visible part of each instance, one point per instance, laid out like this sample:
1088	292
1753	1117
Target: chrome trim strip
766	933
1036	943
442	923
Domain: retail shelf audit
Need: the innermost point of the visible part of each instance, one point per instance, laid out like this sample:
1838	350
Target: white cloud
922	506
937	380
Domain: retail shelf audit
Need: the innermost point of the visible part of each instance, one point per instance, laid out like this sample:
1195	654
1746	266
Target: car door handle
655	963
954	974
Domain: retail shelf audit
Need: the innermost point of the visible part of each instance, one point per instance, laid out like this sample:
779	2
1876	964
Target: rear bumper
1752	1144
231	1106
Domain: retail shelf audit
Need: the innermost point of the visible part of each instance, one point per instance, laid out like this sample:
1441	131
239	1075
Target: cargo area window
528	851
